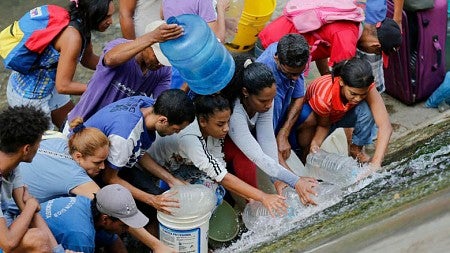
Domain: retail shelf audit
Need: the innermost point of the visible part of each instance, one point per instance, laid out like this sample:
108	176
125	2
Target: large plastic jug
203	62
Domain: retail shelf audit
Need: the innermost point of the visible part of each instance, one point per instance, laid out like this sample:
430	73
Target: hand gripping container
203	62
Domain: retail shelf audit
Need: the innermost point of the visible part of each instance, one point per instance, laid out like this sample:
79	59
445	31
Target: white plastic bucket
187	235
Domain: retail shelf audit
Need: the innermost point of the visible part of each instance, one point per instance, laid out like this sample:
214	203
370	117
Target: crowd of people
135	127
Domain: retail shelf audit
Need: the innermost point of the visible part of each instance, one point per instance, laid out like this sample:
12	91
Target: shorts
47	104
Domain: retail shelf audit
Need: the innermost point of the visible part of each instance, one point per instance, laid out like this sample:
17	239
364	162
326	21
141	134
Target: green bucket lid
223	225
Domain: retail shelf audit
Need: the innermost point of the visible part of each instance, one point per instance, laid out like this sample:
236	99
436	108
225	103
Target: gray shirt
262	150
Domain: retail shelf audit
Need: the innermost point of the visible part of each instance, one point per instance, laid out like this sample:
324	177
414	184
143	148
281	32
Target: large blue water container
203	62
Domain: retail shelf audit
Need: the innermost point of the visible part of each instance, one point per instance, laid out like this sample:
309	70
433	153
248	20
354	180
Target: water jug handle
173	20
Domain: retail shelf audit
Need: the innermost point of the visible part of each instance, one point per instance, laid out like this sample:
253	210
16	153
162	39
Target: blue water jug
203	62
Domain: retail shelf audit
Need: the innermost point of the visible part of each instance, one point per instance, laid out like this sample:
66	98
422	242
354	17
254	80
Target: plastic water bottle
203	62
326	192
256	216
293	202
232	17
333	168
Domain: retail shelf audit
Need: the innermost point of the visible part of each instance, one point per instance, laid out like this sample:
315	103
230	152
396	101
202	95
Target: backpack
310	15
22	42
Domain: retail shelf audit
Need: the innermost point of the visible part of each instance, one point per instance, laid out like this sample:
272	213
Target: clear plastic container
334	168
232	16
326	192
293	202
255	215
195	200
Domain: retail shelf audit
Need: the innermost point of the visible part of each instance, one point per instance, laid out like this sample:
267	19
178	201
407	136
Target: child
347	98
196	153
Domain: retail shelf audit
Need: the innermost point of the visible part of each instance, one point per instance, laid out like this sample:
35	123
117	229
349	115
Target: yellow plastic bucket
255	16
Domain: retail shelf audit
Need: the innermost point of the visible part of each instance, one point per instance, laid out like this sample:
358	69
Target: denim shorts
47	104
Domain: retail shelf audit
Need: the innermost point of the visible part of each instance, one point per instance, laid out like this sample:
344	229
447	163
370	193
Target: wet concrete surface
425	225
422	227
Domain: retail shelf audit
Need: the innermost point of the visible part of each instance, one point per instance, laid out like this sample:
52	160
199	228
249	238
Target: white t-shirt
146	11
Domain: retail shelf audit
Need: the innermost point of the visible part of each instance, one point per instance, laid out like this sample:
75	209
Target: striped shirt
324	97
189	147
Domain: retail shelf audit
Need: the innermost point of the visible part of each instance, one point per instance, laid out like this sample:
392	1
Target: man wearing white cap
81	224
128	68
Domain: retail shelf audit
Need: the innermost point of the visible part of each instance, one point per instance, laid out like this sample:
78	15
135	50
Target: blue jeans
359	117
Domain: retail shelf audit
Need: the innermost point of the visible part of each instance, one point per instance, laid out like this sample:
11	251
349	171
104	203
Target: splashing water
406	180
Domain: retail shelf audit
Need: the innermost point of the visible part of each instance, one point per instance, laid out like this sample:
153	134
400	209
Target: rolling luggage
447	43
418	67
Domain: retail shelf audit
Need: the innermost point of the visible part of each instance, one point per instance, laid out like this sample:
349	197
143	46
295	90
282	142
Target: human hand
275	203
304	188
399	23
162	248
176	181
314	149
164	202
30	200
231	25
279	186
166	32
223	5
367	170
284	147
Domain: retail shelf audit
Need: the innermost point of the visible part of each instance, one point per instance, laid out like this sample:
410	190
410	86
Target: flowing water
408	179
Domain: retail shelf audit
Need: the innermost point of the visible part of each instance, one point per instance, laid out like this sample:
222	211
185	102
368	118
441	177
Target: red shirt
340	38
324	97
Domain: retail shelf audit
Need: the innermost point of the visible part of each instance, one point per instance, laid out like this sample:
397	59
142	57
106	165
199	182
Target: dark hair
176	106
254	76
89	13
293	50
356	72
21	125
207	105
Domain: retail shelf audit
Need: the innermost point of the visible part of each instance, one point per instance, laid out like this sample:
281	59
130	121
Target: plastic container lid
195	200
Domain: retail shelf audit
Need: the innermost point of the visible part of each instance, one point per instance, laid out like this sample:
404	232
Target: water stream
407	180
412	177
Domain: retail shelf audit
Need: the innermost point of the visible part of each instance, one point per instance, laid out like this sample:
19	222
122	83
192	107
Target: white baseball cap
156	49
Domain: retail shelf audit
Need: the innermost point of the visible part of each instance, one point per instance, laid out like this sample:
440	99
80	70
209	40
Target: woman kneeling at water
251	141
